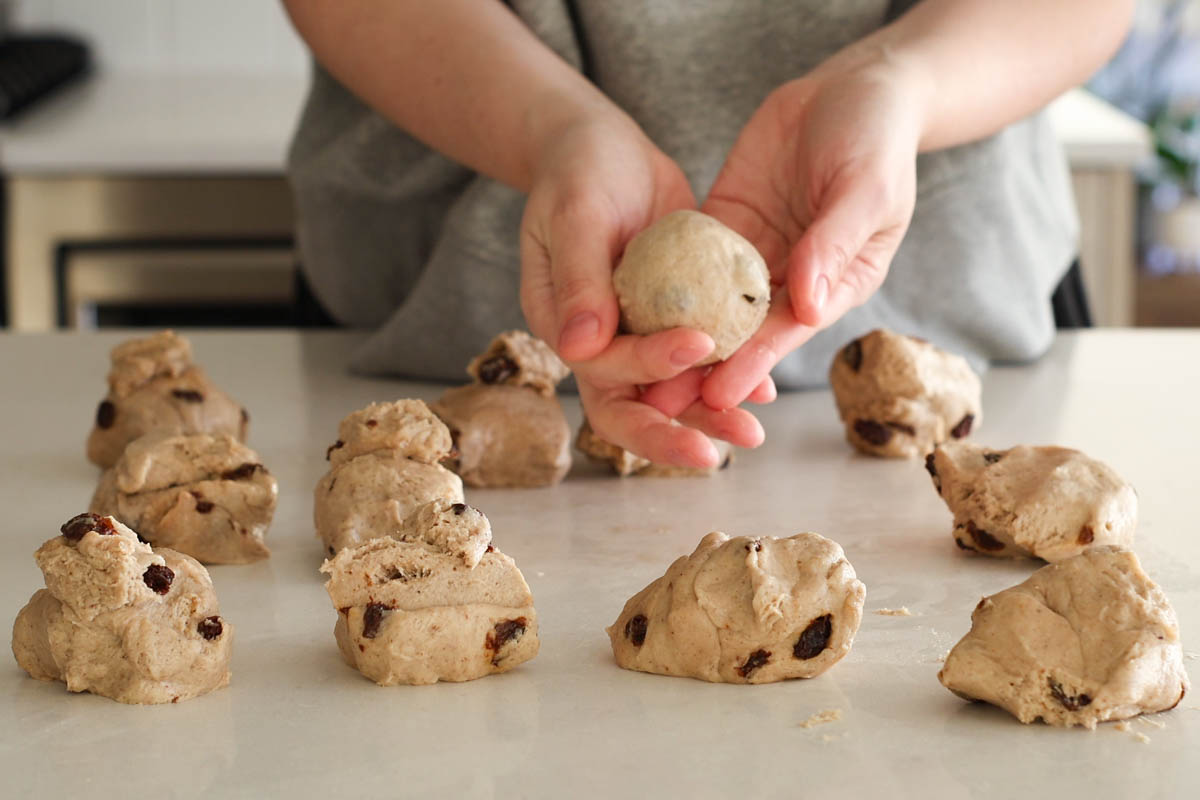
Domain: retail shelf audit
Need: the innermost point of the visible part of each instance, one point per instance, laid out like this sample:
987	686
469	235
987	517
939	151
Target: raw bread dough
1045	502
154	386
900	396
625	463
383	465
440	605
122	620
206	495
1082	641
689	270
744	610
509	429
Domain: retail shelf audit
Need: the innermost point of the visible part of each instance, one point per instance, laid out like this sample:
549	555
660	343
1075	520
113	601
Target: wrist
553	117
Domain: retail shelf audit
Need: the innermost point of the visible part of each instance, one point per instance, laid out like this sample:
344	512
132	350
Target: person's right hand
598	183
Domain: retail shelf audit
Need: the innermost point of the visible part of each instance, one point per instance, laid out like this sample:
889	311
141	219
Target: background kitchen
143	146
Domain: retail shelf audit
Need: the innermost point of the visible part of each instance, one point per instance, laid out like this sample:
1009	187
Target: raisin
992	458
749	298
728	460
106	414
504	632
203	506
756	544
815	638
497	369
756	660
872	432
490	549
962	545
158	577
335	446
76	527
245	417
852	355
458	508
635	629
931	468
372	618
1071	702
210	628
963	427
983	539
371	423
900	426
188	395
1086	535
242	472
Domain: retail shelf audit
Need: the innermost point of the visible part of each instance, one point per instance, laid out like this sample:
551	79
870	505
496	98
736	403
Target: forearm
982	64
465	77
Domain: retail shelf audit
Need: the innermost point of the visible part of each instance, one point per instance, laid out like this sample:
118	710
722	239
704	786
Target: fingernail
820	292
686	356
580	328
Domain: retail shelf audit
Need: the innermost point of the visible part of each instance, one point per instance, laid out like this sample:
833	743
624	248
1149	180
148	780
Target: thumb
582	247
850	214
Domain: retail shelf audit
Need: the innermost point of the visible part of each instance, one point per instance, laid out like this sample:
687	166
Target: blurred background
142	147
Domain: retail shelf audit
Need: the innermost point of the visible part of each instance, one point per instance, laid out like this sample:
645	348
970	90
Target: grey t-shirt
396	238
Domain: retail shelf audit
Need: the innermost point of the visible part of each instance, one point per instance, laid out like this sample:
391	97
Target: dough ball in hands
899	396
689	270
121	620
625	463
154	386
437	603
508	428
206	495
382	467
1045	502
744	610
1082	641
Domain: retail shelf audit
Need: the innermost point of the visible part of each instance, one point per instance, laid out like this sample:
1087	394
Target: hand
600	183
822	180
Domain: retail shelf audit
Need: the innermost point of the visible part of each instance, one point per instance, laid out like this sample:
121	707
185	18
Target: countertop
297	722
133	123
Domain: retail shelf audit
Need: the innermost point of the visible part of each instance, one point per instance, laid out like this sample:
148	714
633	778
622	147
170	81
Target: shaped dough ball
121	620
440	605
744	610
383	466
1043	502
1082	641
900	396
689	270
625	463
155	387
202	494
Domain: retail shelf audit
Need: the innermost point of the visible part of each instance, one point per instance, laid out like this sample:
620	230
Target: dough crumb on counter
1153	723
822	717
902	611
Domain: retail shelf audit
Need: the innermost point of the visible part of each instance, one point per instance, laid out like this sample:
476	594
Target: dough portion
744	610
625	463
442	605
1044	502
155	387
206	495
382	467
121	620
689	270
514	358
899	396
1085	640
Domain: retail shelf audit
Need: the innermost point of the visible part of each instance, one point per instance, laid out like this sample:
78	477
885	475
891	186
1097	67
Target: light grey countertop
297	722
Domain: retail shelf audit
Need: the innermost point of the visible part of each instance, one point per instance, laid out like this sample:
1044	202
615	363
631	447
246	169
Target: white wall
205	36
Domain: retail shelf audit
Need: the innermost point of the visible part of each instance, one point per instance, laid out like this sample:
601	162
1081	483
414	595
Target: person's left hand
822	180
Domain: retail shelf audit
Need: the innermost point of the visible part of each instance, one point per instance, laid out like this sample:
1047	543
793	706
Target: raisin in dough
508	428
1044	502
121	620
899	396
744	610
689	270
435	603
206	495
383	465
1082	641
154	386
625	463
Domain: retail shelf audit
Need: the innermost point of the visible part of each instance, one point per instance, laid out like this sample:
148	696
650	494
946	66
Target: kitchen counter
296	721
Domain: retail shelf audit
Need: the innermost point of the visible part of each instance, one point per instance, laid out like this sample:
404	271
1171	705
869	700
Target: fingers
632	360
851	214
734	425
764	393
642	429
